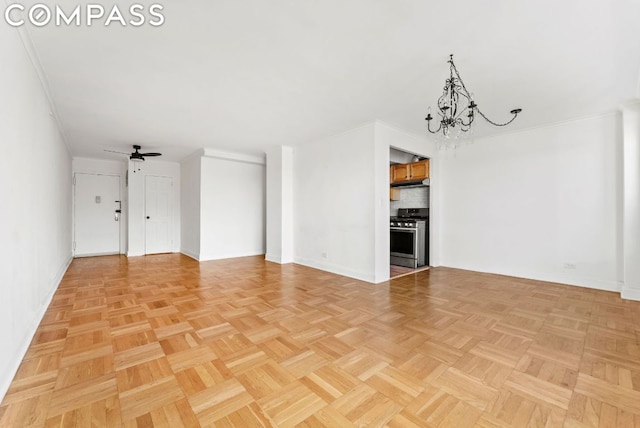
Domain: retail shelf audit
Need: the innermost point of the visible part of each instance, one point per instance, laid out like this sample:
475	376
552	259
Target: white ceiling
241	75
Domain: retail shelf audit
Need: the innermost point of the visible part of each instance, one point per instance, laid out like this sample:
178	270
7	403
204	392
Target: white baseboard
273	258
586	282
191	254
208	257
8	376
337	269
630	293
79	256
277	259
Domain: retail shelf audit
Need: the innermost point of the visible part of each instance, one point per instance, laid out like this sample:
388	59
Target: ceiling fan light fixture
136	156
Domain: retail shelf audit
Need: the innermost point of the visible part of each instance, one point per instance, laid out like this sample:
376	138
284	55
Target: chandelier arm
429	127
464	126
468	124
514	112
453	66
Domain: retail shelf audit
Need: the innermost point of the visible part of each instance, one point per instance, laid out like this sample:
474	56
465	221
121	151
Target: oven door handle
408	229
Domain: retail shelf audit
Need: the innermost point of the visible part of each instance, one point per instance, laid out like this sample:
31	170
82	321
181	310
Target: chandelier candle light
455	101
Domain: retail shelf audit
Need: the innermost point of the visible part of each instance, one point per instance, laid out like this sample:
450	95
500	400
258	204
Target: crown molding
237	157
34	58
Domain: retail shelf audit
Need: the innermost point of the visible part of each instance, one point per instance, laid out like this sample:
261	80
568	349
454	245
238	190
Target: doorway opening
409	225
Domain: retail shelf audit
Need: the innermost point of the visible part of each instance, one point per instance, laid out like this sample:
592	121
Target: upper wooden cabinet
400	172
420	170
414	171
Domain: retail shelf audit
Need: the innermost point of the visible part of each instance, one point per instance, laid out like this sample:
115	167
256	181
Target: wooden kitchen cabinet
400	172
415	171
394	194
420	170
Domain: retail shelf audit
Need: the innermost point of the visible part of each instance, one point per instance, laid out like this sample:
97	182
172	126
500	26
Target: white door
96	229
158	214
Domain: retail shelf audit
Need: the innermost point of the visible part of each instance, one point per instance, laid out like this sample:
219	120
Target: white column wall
190	197
232	206
334	204
631	201
280	205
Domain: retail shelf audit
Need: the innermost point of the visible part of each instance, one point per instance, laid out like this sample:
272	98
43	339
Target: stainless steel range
410	237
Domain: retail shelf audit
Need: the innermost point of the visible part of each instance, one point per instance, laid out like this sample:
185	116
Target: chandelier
456	106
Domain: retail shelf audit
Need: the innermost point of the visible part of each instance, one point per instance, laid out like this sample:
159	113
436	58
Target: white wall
35	189
99	166
136	195
232	217
190	192
334	204
541	203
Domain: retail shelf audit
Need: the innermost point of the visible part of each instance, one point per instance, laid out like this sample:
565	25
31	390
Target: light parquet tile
176	414
219	400
291	404
465	388
434	407
330	382
511	409
28	386
265	379
142	374
82	394
251	415
166	341
102	413
149	396
364	406
26	412
538	390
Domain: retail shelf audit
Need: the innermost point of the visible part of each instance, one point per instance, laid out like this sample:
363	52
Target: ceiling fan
136	156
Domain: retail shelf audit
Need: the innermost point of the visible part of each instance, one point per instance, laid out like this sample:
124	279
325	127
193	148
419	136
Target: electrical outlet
570	266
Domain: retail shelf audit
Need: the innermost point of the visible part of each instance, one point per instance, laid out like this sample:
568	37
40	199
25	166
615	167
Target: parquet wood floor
398	271
166	341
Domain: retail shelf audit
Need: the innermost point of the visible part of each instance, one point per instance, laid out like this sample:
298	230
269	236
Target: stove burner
408	217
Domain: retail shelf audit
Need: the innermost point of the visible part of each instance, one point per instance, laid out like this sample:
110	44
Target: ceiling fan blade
151	154
122	153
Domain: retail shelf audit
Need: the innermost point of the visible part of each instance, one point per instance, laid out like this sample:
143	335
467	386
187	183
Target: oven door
404	246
